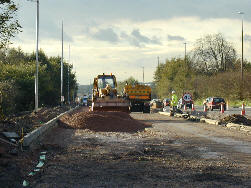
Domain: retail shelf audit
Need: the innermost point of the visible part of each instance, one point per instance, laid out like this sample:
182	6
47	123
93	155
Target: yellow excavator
105	96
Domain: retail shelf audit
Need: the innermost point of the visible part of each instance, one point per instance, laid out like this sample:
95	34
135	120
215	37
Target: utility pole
69	74
62	59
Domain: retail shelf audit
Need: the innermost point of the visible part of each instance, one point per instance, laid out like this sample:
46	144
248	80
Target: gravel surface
171	153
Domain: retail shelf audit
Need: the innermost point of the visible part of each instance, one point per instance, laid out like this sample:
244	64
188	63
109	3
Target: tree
176	75
213	54
9	25
130	81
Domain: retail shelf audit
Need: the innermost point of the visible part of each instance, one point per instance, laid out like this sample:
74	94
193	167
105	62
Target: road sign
187	97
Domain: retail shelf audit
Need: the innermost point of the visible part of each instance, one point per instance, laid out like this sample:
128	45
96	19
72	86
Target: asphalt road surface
171	153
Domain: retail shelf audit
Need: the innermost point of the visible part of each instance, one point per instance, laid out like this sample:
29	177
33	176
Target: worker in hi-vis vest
174	101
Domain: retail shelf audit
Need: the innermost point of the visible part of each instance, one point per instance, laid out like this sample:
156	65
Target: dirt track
173	153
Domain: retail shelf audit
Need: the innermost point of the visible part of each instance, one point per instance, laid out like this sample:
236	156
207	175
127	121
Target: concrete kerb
165	113
33	136
239	127
210	121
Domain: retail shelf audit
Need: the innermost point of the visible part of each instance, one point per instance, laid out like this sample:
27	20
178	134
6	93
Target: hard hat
173	92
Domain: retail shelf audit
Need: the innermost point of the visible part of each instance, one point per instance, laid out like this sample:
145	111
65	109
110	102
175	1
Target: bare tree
213	53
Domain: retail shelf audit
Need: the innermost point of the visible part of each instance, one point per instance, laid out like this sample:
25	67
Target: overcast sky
122	36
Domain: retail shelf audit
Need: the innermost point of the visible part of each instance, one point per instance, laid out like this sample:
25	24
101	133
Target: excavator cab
105	96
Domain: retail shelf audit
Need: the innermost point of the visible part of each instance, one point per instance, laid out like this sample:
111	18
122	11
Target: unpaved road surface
170	153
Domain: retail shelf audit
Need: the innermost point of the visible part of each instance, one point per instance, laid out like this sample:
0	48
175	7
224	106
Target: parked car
166	102
214	103
181	103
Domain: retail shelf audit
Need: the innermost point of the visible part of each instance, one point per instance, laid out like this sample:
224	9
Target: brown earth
101	121
15	163
236	118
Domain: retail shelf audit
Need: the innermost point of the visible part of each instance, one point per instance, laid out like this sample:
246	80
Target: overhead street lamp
37	38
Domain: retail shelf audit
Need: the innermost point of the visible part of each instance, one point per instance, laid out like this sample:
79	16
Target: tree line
17	70
212	68
17	81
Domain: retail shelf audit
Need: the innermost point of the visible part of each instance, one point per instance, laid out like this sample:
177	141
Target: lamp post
143	74
185	51
62	59
37	63
158	61
241	13
69	74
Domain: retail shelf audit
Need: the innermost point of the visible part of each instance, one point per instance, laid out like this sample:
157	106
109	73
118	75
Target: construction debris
236	118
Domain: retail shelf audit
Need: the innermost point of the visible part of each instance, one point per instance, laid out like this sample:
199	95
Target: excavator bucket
110	104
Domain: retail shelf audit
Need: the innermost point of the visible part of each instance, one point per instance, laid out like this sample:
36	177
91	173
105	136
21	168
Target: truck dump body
139	97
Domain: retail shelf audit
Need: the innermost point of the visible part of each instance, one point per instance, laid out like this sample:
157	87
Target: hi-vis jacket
174	101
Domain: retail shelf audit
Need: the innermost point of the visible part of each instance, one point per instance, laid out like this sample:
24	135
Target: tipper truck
139	96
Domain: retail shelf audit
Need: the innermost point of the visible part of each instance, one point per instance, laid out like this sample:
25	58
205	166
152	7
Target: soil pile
102	121
30	120
236	118
13	162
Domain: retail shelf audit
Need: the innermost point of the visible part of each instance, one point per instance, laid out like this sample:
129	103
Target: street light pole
36	77
69	74
185	51
242	76
37	63
143	75
62	59
158	61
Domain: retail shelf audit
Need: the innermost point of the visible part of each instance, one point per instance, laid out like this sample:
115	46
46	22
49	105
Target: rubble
236	118
101	121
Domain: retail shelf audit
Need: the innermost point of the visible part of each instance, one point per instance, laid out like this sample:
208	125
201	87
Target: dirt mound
102	121
236	118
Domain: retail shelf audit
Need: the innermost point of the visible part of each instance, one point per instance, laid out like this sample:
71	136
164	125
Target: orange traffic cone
243	112
193	109
222	108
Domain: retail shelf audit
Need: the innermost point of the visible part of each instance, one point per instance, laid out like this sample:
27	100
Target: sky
125	37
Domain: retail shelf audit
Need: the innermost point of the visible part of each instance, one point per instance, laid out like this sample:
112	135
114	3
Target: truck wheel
146	109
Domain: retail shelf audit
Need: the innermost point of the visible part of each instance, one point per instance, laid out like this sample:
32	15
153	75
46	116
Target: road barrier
227	106
243	112
205	108
222	108
193	109
185	107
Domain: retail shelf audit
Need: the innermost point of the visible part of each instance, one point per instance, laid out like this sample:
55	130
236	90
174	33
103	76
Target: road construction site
117	149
